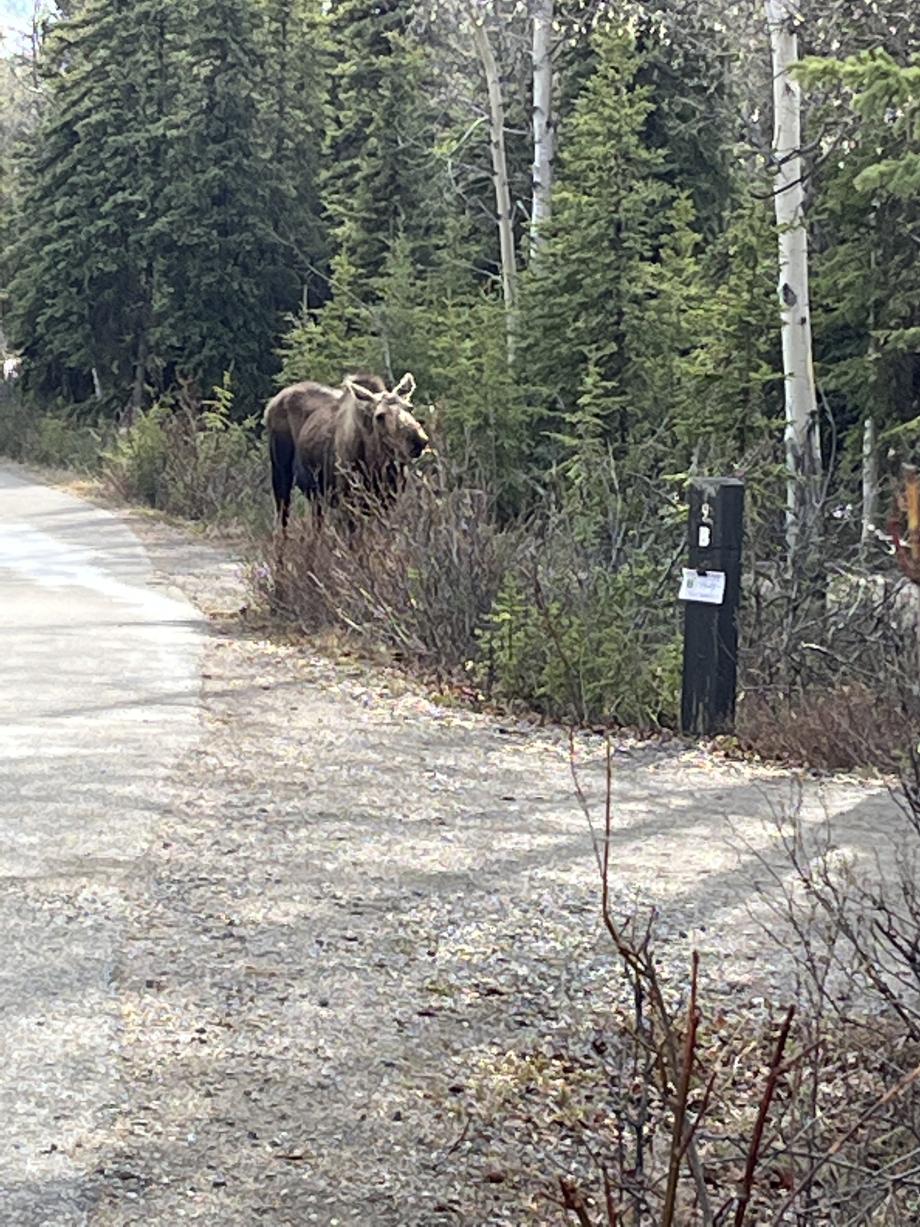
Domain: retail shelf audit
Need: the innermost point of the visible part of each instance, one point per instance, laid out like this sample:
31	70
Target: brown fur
326	440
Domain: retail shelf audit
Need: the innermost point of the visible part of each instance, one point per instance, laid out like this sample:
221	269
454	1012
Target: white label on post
708	588
705	536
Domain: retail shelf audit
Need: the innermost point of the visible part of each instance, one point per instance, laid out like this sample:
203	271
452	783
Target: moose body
326	441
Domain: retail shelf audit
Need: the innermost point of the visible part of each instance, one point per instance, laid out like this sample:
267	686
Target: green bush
136	463
15	426
602	649
56	439
193	461
62	443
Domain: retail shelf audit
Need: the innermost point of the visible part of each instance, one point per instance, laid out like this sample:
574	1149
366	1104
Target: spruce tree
169	214
81	290
222	277
378	181
619	251
867	283
293	102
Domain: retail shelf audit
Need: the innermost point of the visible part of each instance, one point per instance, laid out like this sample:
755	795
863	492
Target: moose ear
360	393
405	387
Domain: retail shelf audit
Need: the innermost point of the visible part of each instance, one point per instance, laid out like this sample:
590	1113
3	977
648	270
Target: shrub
193	461
57	439
419	578
136	463
595	652
828	674
529	606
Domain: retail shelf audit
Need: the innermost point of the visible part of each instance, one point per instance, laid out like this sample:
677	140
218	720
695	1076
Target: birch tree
499	171
543	135
803	454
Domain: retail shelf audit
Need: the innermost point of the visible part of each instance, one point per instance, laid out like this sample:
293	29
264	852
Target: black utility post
711	610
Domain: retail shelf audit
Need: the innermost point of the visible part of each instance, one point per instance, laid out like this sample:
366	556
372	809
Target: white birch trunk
543	137
499	174
803	455
869	481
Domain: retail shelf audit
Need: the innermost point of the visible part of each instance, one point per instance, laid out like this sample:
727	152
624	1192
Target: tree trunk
869	481
141	353
140	378
803	449
543	138
499	174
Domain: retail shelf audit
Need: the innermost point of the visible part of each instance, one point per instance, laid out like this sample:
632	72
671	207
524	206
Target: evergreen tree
81	291
378	181
170	211
733	407
618	228
867	280
223	269
293	100
693	120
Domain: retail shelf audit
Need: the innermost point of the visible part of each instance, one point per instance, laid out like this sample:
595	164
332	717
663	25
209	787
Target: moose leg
312	482
281	450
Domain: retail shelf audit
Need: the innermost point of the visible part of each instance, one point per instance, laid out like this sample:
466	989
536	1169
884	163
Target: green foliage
78	261
694	118
607	211
137	461
867	281
608	309
585	653
640	341
378	179
733	407
293	96
56	439
197	463
324	344
215	239
150	243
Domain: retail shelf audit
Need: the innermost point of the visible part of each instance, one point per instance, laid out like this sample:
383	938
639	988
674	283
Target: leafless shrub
419	577
828	665
682	1114
191	459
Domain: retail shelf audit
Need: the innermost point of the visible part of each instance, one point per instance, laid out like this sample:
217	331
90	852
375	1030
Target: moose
360	438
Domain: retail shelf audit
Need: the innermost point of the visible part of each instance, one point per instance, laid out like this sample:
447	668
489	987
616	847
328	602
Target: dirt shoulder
361	905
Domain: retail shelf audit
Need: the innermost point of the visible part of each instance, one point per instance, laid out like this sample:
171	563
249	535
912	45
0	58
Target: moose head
391	417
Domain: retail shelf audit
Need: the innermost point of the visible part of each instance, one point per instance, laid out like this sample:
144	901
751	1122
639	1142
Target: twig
683	1091
572	1200
641	967
763	1111
613	1215
892	1093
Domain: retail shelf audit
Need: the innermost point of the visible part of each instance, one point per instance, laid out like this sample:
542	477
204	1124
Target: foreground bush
675	1101
192	461
420	578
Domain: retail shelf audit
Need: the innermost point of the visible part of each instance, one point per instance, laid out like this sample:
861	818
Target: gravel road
273	911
